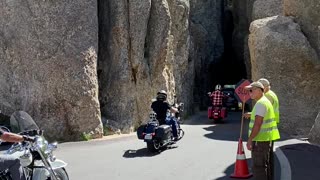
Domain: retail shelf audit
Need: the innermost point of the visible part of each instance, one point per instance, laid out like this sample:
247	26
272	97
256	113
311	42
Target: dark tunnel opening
228	69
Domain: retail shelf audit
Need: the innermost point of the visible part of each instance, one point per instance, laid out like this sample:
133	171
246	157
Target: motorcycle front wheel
61	174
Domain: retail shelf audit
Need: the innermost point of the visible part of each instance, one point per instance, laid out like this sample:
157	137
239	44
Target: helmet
162	95
162	92
218	87
153	116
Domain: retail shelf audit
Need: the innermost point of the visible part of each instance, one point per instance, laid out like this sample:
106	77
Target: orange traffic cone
241	167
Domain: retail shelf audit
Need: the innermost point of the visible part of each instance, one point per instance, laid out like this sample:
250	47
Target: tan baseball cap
264	82
255	84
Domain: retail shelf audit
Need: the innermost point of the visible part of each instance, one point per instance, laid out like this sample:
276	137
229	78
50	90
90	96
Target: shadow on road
219	132
230	170
138	153
202	119
144	152
227	130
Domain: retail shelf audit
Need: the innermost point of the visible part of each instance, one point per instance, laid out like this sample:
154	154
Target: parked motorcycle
36	157
158	136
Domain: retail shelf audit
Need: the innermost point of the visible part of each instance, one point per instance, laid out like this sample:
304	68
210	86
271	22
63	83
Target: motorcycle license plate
215	113
148	137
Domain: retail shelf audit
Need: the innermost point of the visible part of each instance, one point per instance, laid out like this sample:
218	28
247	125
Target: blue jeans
174	125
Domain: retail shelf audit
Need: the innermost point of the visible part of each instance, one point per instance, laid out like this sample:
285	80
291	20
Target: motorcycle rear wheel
153	146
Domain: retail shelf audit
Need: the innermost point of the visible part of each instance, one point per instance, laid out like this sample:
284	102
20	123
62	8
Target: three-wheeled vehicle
217	113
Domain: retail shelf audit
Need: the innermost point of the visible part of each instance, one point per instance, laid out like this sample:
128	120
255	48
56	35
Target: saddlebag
141	129
163	132
151	127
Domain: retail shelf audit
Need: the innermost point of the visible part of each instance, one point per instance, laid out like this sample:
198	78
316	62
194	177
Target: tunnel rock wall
48	65
244	13
306	14
144	47
207	38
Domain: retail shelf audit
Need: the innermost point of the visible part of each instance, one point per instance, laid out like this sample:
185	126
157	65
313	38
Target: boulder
144	48
306	14
266	8
280	52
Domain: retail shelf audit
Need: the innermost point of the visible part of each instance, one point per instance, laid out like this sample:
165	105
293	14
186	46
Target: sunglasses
251	90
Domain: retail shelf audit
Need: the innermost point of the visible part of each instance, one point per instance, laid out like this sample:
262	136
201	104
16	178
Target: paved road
207	152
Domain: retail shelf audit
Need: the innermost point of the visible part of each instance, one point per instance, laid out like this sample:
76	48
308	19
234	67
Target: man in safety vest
263	131
273	98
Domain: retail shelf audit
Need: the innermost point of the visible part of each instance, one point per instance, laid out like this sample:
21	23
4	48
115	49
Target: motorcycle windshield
21	121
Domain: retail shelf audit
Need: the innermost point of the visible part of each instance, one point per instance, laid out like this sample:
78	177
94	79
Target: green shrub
107	131
86	136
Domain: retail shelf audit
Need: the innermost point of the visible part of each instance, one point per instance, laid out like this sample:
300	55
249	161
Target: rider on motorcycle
217	96
12	163
160	107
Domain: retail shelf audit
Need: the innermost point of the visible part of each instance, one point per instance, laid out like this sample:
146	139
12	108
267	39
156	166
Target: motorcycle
159	136
217	113
36	157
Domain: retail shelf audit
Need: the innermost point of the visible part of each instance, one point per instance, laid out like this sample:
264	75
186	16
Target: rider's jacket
161	108
217	97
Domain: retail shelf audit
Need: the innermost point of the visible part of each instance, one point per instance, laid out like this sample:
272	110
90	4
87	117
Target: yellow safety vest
269	130
270	94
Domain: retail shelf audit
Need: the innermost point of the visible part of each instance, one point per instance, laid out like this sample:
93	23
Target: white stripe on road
284	164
